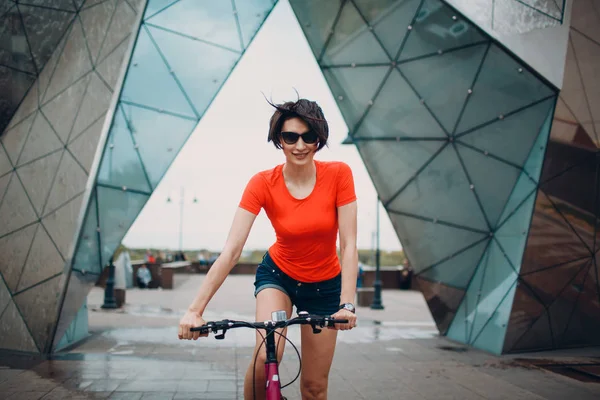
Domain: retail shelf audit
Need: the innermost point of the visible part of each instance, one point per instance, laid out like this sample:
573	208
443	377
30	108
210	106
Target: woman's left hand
345	314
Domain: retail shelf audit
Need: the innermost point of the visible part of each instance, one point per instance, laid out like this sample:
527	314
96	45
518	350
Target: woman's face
299	153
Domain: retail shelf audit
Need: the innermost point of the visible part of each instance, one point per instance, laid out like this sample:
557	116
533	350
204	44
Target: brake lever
221	335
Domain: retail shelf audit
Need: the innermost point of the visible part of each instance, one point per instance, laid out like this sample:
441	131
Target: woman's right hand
190	319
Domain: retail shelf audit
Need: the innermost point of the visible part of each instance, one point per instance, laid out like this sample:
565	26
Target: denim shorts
320	298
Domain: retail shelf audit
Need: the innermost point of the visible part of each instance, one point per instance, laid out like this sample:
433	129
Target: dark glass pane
17	84
442	301
493	181
121	165
565	309
390	20
442	192
538	337
149	81
37	306
551	240
491	337
87	254
462	326
434	28
512	234
45	27
503	86
443	81
117	211
512	138
567	129
561	157
353	89
459	269
498	282
185	55
14	49
526	310
427	243
397	111
316	18
573	194
352	41
251	15
550	283
392	164
158	137
206	20
535	160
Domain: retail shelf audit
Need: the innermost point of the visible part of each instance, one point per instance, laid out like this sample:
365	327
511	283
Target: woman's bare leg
317	356
267	301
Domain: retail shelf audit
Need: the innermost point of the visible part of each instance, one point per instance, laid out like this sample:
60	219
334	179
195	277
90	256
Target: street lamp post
181	204
110	301
377	305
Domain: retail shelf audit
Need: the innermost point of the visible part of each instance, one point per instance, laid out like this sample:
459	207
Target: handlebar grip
202	329
339	321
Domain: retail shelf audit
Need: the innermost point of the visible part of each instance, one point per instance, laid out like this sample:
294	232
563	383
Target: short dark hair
308	111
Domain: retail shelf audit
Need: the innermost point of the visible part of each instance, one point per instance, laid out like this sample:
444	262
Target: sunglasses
309	137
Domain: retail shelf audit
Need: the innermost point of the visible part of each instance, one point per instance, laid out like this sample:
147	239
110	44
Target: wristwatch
348	306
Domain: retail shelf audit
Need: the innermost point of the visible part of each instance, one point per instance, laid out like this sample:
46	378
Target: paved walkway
133	353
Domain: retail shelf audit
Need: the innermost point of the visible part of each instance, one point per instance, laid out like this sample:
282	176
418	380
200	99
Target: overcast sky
229	146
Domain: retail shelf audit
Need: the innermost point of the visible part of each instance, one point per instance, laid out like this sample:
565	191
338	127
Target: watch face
349	307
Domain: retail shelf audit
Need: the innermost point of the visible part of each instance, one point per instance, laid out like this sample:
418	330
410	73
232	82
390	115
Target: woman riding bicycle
308	202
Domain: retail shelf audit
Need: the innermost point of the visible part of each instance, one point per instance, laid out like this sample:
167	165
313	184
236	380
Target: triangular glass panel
110	67
251	15
498	282
14	49
27	107
70	181
397	112
442	301
17	84
15	248
149	82
458	270
587	50
95	22
526	310
565	306
87	254
491	337
158	137
392	164
544	250
205	20
550	283
442	192
66	5
503	86
445	97
352	42
62	225
38	307
83	147
316	19
38	177
6	6
512	138
461	327
390	20
427	243
437	27
4	181
117	211
535	160
576	203
585	21
537	338
512	234
14	138
493	181
121	164
43	37
95	103
354	89
184	55
524	189
156	6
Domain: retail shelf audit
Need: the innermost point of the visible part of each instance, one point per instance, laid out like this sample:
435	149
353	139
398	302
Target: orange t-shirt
306	229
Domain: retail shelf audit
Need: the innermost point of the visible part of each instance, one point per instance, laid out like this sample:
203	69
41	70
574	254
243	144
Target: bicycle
278	320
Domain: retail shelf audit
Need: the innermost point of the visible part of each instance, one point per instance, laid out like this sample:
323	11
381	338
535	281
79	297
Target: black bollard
109	292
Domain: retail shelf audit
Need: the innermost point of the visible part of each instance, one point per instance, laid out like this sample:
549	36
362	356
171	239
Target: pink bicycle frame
273	388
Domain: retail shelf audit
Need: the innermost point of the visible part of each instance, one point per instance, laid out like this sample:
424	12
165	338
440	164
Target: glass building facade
487	171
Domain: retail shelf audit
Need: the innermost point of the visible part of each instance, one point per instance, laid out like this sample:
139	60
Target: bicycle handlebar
307	319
